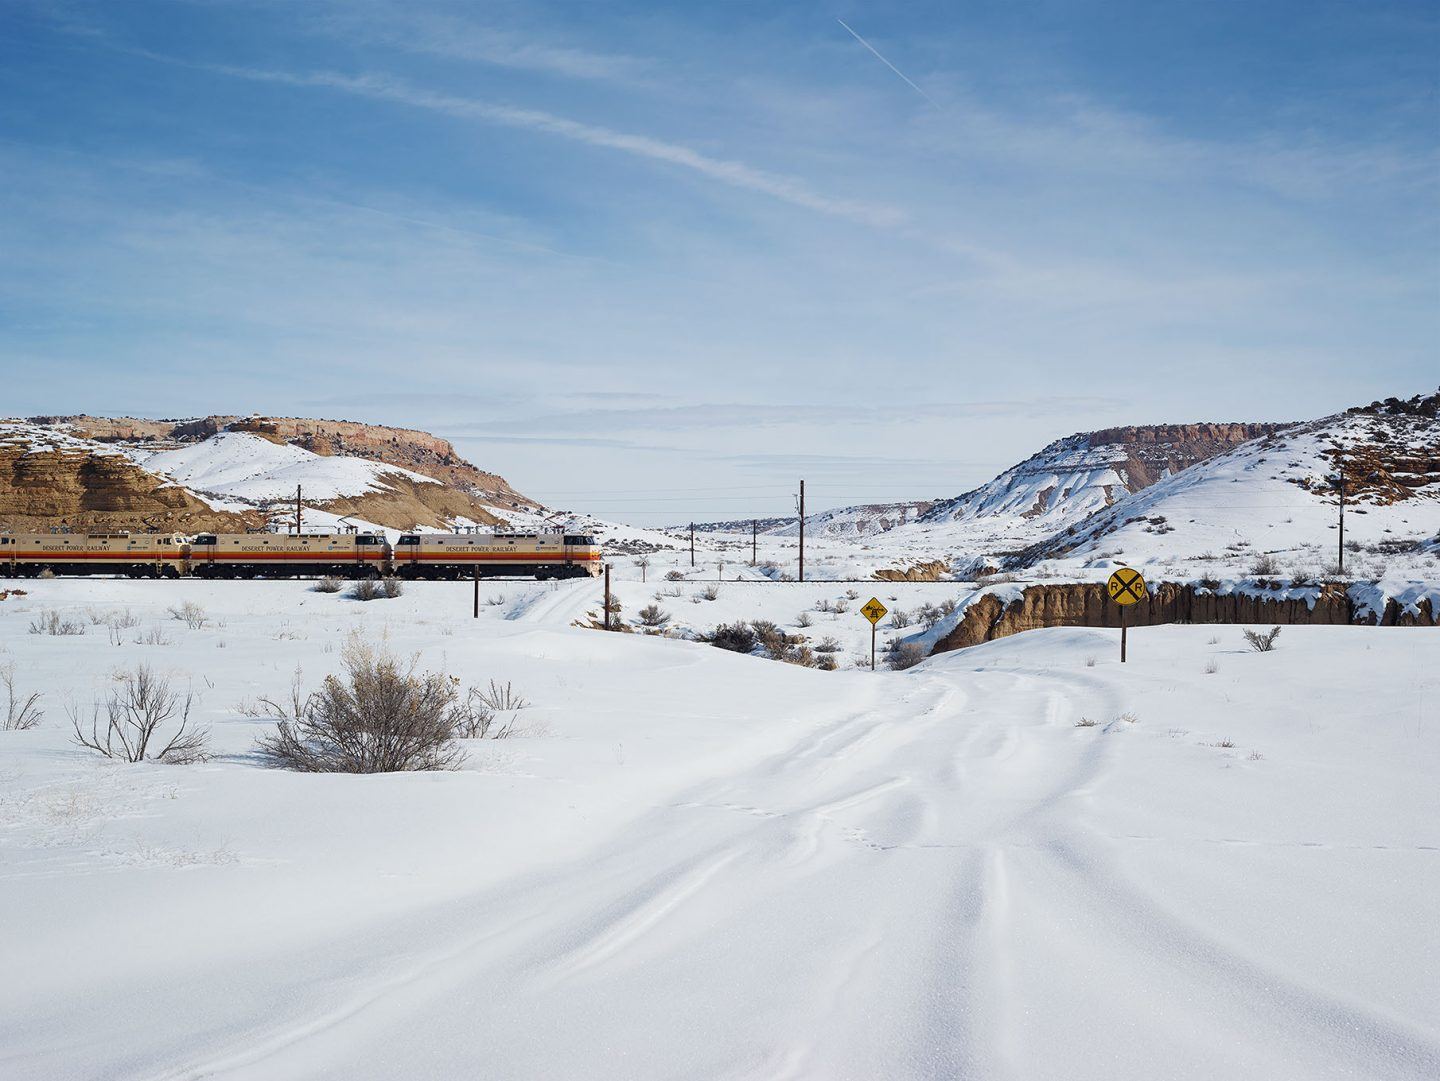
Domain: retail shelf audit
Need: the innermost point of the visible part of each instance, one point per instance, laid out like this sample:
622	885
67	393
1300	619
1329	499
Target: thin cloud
909	82
733	173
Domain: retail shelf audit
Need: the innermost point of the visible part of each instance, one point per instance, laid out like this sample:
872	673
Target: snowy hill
1275	499
250	469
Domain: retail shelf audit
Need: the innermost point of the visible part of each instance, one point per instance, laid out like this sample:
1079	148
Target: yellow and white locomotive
492	555
138	555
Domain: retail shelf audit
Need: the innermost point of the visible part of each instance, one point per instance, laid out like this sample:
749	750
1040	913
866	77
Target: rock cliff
1086	604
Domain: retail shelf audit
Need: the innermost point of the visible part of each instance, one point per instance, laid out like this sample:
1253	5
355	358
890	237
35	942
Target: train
292	555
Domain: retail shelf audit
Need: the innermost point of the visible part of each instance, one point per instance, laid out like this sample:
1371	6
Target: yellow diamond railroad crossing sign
1126	586
874	611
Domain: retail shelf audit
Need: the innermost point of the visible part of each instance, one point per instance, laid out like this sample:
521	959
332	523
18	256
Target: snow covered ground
694	864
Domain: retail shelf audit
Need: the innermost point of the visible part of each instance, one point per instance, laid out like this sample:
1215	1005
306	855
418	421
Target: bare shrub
905	655
380	716
1225	743
51	622
1089	662
826	662
674	576
1262	641
475	714
928	615
824	605
828	644
841	607
155	636
711	592
22	711
328	584
800	654
1264	565
127	725
653	616
899	618
495	600
365	589
1127	717
392	587
736	637
804	620
1212	666
852	594
190	614
1086	722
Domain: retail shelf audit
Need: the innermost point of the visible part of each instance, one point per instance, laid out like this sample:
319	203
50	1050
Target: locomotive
290	555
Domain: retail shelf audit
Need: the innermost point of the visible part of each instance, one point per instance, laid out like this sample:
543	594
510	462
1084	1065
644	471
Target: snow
697	864
248	468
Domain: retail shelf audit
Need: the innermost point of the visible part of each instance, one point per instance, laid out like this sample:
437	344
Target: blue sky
662	260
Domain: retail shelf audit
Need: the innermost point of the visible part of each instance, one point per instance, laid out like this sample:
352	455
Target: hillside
1274	500
226	472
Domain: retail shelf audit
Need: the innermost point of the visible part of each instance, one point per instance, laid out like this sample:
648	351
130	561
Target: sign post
1126	587
874	611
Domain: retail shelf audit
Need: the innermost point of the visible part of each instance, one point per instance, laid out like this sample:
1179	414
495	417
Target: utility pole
754	541
298	522
802	531
476	569
692	544
607	596
1340	482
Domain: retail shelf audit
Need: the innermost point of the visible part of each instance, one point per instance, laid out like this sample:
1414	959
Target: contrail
889	65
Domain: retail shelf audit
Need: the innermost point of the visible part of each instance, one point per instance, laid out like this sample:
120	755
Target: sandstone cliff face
464	492
405	447
1086	604
1150	451
46	488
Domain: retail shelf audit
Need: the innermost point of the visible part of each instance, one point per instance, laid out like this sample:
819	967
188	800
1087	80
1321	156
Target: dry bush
828	644
899	618
852	594
1212	666
1262	641
155	636
328	584
380	716
495	600
1265	565
674	576
1086	722
392	587
127	725
826	662
653	616
804	620
190	614
824	605
365	589
905	655
736	637
1225	743
475	714
51	622
711	592
22	711
1089	662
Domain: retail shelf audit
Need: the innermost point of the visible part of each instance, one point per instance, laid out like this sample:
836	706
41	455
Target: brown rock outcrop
1086	604
48	488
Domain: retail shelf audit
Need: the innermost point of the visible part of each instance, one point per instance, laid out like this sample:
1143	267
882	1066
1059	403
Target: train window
408	540
367	540
579	538
208	539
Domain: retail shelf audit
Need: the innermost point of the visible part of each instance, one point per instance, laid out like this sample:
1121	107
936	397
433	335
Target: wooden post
476	569
1123	621
607	596
299	522
1340	480
754	541
802	531
692	544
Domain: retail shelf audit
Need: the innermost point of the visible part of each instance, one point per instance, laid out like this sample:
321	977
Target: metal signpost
1126	587
874	611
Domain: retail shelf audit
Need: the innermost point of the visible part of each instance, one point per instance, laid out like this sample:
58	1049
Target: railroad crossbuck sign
1126	586
874	611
